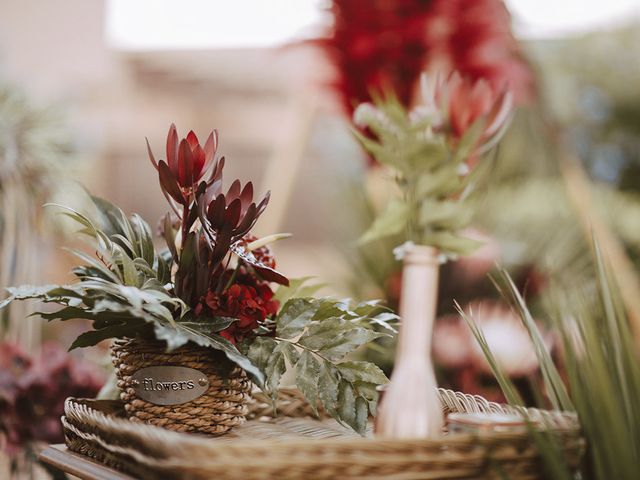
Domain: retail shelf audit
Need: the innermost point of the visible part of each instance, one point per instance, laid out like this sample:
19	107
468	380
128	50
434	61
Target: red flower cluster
249	299
376	45
474	38
262	254
33	391
380	45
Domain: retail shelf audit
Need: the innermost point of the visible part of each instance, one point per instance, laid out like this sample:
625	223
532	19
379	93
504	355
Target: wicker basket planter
222	406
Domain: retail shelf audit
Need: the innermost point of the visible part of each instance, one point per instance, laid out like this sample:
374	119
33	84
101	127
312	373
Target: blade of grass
548	446
509	390
555	387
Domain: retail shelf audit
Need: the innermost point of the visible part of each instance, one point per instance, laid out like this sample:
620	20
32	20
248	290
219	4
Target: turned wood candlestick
410	407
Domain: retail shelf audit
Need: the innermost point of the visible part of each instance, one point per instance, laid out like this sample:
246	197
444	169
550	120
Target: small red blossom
249	300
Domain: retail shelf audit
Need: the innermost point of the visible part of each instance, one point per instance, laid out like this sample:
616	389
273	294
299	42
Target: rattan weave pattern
222	407
294	448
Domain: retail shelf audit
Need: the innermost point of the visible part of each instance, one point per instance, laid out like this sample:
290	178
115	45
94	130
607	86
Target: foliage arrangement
432	151
212	286
602	374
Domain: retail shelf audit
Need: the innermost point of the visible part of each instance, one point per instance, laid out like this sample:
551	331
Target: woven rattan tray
295	446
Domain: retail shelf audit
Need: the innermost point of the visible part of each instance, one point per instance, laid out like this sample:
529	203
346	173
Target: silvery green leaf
295	316
307	373
260	351
329	308
145	238
386	320
328	380
92	337
367	390
47	293
291	354
362	372
95	263
362	415
346	406
212	324
275	367
336	337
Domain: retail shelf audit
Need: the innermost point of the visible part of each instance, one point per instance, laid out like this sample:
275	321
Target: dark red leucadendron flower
227	218
187	163
206	229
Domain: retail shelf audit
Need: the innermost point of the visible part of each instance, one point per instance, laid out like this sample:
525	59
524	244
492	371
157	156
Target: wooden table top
60	457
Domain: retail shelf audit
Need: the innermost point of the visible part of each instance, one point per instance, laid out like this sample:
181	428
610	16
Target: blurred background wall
123	71
120	71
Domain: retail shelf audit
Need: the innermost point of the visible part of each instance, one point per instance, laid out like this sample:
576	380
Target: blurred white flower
455	347
451	342
507	338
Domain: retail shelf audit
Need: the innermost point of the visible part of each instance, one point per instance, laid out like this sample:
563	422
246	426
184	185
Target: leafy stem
297	344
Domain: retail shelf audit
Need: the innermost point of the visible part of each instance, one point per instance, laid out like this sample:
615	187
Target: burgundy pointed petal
151	157
222	244
234	190
169	183
198	162
216	173
192	139
246	196
172	149
215	212
232	214
263	203
248	220
210	147
185	165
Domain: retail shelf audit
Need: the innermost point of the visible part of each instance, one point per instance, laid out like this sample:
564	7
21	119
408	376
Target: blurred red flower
379	45
457	103
33	391
474	37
